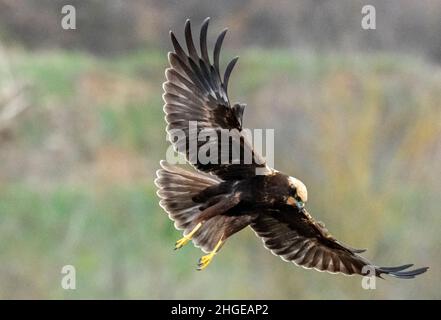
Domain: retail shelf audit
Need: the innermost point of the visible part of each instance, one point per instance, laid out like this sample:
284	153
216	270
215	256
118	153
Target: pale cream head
299	186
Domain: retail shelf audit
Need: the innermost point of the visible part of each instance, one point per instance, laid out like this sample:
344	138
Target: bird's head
298	193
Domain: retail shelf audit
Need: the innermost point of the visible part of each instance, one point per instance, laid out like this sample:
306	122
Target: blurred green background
356	113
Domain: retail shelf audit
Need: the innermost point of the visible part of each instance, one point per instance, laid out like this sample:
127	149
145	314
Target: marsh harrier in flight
216	199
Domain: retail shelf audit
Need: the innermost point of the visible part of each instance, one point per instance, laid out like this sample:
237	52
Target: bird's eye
297	198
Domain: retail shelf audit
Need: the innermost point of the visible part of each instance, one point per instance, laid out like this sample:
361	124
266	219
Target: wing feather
189	41
217	48
295	236
195	91
203	41
228	71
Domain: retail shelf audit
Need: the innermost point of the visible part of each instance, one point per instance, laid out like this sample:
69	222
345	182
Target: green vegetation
76	181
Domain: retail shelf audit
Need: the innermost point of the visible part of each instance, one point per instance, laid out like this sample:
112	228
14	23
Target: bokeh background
356	113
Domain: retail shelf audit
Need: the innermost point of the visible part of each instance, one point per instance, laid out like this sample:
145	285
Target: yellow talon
204	261
183	241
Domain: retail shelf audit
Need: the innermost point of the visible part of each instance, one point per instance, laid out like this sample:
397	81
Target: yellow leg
205	260
183	241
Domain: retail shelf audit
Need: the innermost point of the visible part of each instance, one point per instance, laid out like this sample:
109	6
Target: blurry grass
134	125
86	228
362	131
140	63
52	74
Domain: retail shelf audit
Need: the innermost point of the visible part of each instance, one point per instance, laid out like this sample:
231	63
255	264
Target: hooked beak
293	202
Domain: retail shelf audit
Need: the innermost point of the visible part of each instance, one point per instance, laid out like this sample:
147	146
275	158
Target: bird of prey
215	200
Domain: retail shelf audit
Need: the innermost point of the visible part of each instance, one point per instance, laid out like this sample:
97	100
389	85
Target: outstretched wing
295	236
196	99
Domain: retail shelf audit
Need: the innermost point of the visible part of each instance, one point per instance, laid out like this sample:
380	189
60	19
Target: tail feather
176	188
179	189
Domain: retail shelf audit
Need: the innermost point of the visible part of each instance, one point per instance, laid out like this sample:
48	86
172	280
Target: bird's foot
204	261
183	241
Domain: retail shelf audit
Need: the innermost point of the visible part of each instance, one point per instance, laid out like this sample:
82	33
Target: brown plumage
220	198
